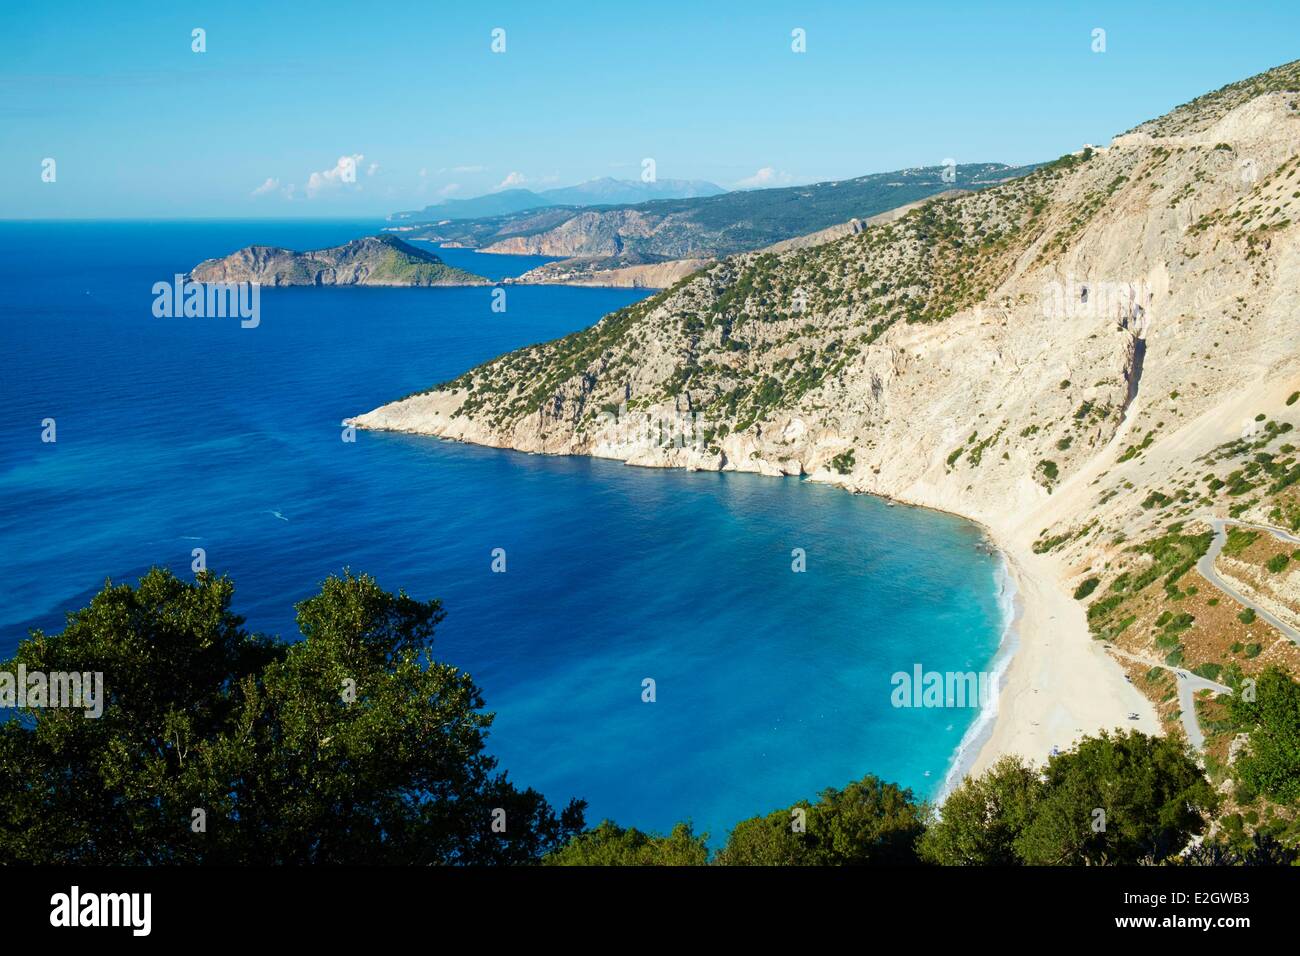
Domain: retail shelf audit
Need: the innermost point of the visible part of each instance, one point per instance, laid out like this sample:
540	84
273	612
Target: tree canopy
217	745
984	816
1121	798
868	822
612	845
1271	761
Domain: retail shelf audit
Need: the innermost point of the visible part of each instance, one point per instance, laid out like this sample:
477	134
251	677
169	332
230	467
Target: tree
984	816
1257	849
1271	762
612	845
1117	799
868	822
219	746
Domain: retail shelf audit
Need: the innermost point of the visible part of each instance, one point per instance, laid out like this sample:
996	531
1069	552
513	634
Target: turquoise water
182	433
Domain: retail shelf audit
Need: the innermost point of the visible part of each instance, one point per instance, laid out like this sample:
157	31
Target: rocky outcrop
374	260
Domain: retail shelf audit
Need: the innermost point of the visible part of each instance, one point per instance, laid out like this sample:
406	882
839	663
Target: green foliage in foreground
868	822
261	735
984	816
1115	799
1153	793
1152	796
611	845
1270	763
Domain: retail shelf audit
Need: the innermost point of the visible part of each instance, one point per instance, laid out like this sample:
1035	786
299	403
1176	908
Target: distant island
371	261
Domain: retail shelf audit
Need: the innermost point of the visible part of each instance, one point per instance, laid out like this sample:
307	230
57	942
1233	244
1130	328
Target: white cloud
344	172
271	185
461	169
514	179
374	168
767	176
448	189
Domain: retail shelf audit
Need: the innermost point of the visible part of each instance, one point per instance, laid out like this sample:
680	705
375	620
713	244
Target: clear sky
139	125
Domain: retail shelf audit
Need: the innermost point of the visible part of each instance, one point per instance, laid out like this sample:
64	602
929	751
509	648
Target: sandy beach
1060	684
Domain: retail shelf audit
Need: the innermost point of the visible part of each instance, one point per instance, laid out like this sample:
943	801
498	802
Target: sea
770	684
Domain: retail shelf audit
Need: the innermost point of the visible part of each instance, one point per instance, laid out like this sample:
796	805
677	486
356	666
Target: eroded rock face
993	354
373	260
587	234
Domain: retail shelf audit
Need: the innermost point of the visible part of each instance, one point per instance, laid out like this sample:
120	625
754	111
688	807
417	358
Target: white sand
1061	684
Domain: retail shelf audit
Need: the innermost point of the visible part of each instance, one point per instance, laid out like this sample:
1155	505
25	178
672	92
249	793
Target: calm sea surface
183	433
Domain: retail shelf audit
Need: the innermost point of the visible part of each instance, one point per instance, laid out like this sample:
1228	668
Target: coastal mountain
711	226
1097	360
594	192
644	270
373	260
855	225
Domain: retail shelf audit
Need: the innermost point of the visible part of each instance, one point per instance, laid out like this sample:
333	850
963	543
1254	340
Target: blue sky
141	126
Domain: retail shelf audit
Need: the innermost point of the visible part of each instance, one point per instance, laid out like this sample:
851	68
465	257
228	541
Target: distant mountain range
703	226
595	192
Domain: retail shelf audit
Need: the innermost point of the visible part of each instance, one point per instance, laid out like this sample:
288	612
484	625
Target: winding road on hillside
1188	685
1206	568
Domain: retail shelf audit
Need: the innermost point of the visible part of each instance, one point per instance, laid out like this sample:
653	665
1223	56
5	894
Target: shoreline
1048	648
977	736
1055	683
1059	684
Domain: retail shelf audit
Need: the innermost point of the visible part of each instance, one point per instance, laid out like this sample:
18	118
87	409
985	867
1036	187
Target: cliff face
586	234
1040	356
374	260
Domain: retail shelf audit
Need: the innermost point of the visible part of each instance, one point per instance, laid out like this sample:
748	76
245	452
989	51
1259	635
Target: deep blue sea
182	433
